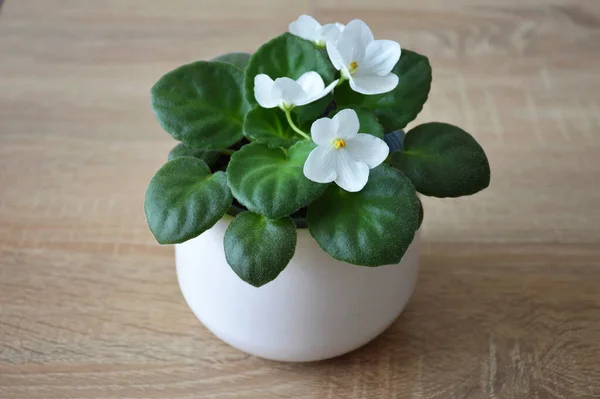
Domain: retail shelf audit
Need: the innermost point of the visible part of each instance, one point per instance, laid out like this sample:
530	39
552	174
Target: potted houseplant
292	197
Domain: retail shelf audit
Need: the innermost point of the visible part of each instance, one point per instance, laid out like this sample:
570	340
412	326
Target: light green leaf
401	105
270	181
372	227
269	126
443	160
257	248
184	199
202	104
367	120
237	59
286	56
181	150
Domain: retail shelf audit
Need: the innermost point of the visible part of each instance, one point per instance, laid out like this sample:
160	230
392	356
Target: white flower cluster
343	155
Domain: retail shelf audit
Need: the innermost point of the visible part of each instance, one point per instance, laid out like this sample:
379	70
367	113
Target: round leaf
372	227
184	200
401	105
238	60
443	160
269	126
271	181
180	150
257	248
368	122
286	56
202	104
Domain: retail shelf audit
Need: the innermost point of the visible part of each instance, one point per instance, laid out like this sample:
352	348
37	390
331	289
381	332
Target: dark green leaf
202	104
184	199
401	105
308	113
372	227
443	160
286	56
421	212
269	126
257	248
180	150
270	181
368	121
238	60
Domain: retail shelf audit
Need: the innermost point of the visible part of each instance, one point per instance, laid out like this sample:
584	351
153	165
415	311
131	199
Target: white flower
365	62
308	28
343	155
287	93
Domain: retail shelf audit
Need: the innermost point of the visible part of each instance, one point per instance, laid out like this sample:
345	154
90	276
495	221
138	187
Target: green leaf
307	114
286	56
257	248
202	104
270	181
401	105
443	160
237	59
269	126
180	150
184	200
421	212
367	120
372	227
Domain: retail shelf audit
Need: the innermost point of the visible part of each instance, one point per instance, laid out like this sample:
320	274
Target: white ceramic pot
317	308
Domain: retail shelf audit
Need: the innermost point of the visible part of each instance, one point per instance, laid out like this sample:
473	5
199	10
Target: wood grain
507	304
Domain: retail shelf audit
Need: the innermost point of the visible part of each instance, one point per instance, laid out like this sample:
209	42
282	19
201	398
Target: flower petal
380	58
312	83
353	42
323	131
348	123
373	84
320	95
289	91
306	27
263	91
335	56
351	175
320	165
368	149
331	32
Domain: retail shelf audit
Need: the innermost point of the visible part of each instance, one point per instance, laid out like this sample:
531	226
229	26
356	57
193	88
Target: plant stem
226	152
293	125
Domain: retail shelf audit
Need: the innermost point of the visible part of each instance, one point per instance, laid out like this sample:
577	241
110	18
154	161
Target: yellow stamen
353	66
339	143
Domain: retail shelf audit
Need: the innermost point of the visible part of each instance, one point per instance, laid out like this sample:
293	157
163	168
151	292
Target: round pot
317	308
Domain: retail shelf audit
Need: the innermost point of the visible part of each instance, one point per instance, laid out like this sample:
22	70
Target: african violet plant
292	136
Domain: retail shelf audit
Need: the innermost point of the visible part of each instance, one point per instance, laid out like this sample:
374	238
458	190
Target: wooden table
508	301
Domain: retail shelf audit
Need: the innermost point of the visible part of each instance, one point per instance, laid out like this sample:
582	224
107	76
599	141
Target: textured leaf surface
258	248
443	160
269	126
181	150
184	199
271	181
202	104
372	227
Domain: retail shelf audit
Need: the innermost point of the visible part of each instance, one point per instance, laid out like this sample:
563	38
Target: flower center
339	143
353	66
